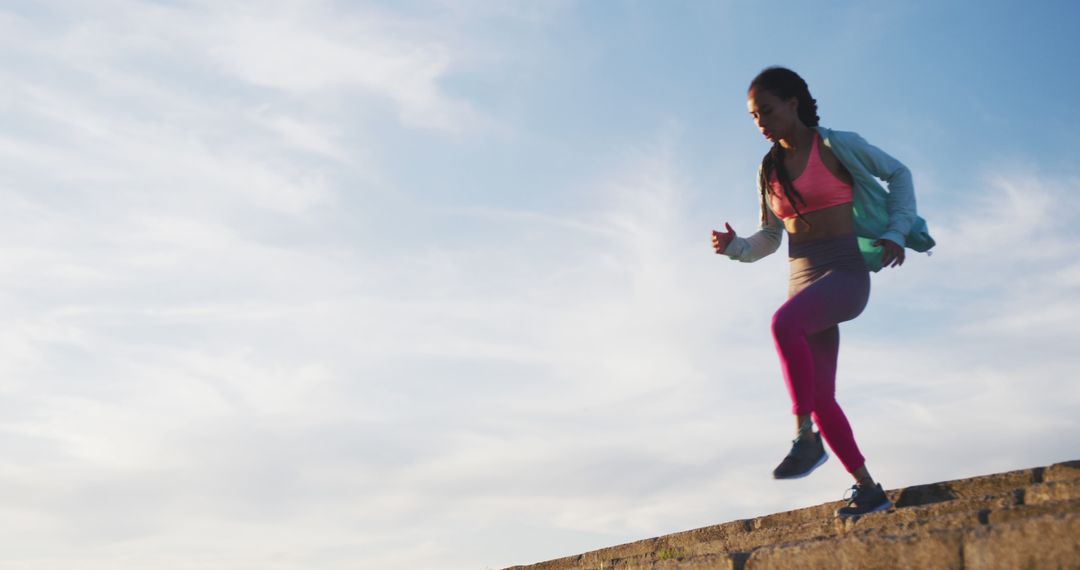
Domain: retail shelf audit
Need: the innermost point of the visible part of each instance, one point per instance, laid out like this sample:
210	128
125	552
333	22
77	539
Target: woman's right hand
720	240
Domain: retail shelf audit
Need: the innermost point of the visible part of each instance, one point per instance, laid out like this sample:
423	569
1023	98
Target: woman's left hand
893	256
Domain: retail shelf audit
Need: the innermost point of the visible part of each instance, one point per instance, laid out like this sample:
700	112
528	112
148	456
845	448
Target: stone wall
1019	519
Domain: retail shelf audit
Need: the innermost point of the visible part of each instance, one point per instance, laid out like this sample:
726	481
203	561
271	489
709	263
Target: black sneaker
865	500
804	457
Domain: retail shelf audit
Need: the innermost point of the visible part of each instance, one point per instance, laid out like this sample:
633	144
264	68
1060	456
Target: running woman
822	188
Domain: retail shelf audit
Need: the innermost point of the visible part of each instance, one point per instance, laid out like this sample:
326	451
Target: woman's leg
834	298
832	422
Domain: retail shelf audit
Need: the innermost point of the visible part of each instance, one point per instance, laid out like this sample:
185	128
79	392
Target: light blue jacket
879	214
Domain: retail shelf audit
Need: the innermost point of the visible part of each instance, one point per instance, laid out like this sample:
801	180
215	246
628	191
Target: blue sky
428	284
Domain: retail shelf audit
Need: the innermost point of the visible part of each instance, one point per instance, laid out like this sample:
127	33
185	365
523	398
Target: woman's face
775	117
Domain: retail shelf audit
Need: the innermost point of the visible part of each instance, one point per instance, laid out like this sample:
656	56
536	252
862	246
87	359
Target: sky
428	284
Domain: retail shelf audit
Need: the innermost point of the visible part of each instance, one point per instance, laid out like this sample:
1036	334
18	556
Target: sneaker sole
824	458
882	507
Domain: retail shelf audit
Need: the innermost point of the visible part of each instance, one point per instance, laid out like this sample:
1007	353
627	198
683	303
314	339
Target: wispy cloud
299	50
986	332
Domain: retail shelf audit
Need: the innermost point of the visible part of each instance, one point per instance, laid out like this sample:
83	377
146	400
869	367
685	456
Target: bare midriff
821	224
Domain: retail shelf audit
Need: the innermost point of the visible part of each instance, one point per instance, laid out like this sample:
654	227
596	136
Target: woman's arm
900	201
758	245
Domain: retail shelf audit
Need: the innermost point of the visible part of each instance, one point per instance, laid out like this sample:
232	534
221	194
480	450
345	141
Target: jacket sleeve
761	243
901	199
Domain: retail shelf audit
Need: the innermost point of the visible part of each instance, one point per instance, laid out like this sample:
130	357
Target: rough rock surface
1020	519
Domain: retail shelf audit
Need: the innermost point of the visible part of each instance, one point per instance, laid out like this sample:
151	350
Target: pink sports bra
819	187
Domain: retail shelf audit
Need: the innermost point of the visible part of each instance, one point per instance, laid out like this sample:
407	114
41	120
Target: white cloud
302	48
1005	259
224	380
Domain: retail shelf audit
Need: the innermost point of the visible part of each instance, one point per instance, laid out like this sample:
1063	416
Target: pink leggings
829	285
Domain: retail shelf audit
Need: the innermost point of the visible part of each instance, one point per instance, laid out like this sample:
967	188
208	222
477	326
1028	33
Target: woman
821	187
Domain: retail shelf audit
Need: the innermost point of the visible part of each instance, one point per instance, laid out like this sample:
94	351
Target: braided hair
785	84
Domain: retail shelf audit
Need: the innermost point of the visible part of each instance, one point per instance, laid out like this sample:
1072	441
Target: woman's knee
785	323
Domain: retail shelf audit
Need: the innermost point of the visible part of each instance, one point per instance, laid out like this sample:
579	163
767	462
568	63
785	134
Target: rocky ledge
1019	519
